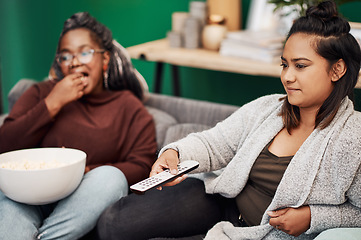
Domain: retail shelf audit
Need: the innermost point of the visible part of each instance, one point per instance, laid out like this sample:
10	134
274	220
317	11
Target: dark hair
333	42
121	73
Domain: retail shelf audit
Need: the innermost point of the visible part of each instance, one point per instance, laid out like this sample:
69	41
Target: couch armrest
189	110
18	89
2	118
182	109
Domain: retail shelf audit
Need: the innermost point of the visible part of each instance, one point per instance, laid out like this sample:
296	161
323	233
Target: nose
287	75
75	62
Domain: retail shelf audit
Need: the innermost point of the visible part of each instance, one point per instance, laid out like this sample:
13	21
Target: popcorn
31	165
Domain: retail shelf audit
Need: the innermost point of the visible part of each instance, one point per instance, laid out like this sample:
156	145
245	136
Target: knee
103	225
23	216
108	225
111	181
11	209
109	173
121	220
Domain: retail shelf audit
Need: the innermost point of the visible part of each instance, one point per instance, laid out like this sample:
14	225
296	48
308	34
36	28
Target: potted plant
301	5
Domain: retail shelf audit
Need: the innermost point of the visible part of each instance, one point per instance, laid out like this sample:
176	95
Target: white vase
212	36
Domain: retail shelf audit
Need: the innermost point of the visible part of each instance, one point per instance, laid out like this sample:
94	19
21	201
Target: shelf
159	51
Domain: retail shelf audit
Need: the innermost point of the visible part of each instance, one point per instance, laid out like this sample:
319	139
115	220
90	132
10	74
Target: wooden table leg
158	77
176	82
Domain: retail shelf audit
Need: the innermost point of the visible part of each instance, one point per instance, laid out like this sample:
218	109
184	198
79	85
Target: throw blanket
324	173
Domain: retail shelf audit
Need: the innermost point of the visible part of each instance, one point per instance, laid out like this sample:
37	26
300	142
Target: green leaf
304	4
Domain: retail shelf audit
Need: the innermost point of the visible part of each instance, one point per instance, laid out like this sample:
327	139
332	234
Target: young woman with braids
291	163
93	103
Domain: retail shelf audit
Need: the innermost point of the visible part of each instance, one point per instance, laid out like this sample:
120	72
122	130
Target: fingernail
173	171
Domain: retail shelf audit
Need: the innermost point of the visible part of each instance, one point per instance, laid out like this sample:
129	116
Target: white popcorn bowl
42	186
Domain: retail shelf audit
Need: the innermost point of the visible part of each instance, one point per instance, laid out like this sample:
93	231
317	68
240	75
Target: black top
265	175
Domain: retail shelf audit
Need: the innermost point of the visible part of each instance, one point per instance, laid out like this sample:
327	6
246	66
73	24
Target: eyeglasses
84	57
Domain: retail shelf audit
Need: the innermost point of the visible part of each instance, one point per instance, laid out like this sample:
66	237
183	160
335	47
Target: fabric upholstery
17	90
174	117
340	233
2	118
162	122
189	110
179	131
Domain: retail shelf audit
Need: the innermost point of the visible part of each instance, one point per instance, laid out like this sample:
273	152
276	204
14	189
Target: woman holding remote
93	103
291	163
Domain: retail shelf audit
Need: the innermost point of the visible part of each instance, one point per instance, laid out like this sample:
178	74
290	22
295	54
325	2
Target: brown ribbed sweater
113	128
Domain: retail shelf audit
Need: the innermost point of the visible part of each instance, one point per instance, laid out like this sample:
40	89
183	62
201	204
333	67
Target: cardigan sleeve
339	178
215	148
347	214
334	216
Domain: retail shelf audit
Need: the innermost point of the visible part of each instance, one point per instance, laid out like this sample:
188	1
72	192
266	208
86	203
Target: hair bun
326	11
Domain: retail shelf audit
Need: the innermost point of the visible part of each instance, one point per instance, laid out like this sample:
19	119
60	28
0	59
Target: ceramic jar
198	9
192	32
214	32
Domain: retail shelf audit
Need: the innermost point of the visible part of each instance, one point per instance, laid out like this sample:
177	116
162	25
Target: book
233	48
266	39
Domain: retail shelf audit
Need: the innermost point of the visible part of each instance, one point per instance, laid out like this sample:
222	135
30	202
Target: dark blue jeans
180	211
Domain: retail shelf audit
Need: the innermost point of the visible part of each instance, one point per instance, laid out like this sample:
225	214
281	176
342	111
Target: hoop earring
105	79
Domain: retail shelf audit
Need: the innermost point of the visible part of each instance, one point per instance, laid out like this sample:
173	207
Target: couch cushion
190	110
340	233
2	118
18	89
179	131
162	121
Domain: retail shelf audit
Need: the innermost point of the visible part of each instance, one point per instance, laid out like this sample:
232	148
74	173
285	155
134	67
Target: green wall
30	28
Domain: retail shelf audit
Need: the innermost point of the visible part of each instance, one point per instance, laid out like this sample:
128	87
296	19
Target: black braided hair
121	73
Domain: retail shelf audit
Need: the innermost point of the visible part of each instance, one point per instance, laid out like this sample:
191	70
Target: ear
106	59
338	70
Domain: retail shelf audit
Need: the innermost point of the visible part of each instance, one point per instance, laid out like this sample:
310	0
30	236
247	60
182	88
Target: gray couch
174	117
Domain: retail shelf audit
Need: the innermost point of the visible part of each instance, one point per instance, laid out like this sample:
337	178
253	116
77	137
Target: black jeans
175	212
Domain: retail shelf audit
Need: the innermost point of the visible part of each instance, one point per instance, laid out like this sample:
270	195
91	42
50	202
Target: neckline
268	152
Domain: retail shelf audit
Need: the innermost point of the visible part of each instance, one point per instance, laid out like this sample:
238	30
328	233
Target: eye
284	65
65	57
300	66
86	53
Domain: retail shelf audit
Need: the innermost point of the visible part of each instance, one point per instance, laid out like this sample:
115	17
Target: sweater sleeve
142	154
215	148
347	214
334	216
139	148
27	123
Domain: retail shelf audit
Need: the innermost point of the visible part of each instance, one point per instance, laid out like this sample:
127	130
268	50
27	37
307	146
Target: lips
290	89
84	78
85	74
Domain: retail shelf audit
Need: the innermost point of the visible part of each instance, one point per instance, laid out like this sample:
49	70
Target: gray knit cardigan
325	172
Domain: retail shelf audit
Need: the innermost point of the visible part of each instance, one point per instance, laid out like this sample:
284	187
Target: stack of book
264	46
